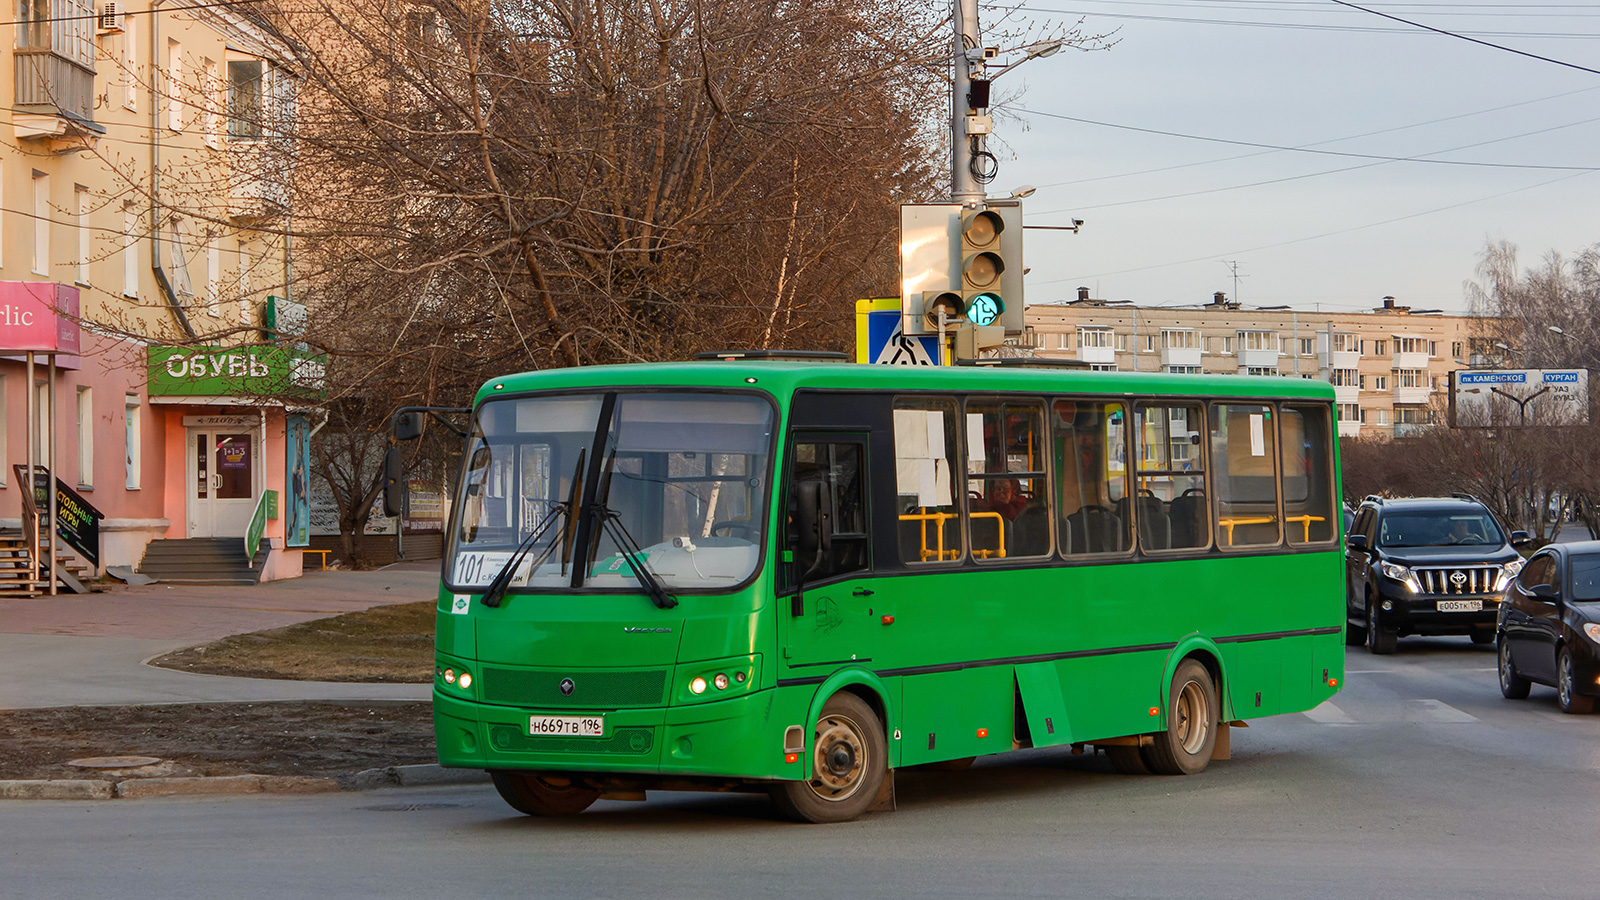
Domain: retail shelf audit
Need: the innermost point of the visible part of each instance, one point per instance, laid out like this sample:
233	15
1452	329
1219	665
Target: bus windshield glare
680	475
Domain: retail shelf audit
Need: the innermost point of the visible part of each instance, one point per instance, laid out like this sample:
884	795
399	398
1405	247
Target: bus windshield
679	476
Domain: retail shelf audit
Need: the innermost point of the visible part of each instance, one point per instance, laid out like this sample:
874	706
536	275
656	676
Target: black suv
1426	565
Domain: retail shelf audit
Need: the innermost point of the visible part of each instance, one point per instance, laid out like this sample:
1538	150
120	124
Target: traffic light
948	302
991	264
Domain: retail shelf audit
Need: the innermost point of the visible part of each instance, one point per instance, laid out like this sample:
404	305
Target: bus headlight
465	681
698	685
449	676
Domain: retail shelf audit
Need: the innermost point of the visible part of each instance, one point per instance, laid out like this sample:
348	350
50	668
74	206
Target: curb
231	785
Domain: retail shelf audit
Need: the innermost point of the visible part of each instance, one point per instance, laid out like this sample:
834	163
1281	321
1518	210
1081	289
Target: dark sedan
1549	626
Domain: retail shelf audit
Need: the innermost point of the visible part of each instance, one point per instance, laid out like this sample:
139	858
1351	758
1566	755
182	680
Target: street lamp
1036	50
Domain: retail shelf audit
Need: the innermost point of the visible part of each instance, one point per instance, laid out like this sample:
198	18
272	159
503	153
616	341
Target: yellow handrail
1229	522
1306	521
939	518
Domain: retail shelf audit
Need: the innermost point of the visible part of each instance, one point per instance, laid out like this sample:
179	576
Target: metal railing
46	78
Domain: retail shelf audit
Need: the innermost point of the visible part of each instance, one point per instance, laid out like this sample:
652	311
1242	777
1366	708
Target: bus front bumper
737	738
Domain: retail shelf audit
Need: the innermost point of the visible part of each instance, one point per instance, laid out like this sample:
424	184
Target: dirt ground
382	644
296	738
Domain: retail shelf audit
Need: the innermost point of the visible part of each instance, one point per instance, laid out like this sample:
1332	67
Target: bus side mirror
813	522
394	483
408	426
1357	542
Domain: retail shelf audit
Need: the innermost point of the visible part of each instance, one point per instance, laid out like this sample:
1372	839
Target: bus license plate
567	726
1460	605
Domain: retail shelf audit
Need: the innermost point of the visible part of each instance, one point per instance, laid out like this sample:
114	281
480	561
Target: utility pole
964	186
1233	266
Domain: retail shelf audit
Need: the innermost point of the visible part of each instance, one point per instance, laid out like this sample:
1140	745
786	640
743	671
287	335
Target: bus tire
1127	760
848	761
1193	717
531	795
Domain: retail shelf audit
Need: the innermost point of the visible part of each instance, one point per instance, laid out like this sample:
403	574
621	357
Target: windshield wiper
496	590
611	522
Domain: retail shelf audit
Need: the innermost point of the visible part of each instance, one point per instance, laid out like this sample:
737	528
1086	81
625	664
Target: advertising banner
297	479
77	522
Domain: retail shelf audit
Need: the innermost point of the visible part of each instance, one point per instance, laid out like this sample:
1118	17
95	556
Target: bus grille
635	741
1477	580
541	688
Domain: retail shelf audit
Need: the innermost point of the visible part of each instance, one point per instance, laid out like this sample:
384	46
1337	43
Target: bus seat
1030	533
1155	528
1093	529
1187	514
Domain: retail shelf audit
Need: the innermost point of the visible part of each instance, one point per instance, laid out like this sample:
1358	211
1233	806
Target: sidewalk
89	649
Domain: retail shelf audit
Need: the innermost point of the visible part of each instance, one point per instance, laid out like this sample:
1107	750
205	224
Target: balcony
1410	360
258	179
1180	356
54	97
1349	429
1343	393
1261	358
1411	396
1339	359
1098	355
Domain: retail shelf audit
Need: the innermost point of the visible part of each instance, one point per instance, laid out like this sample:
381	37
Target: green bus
798	577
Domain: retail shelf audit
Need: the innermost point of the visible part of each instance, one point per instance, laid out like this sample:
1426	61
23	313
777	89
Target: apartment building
1387	366
141	198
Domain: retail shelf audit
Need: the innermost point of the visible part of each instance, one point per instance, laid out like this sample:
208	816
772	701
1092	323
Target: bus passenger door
828	603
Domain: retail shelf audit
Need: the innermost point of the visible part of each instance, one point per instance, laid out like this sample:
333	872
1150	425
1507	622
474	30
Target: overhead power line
1467	38
1311	150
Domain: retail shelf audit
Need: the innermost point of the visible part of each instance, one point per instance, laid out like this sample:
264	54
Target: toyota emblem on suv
566	687
1458	578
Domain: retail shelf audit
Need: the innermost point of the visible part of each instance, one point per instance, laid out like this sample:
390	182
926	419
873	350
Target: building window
1150	343
1307	347
1179	339
211	96
1380	348
1261	370
1259	340
244	98
85	437
1381	416
130	250
1410	378
1094	338
1349	412
1184	370
1103	367
174	85
1455	349
1345	378
1410	345
1063	340
132	450
1411	415
1433	348
1380	382
1345	342
213	278
1227	345
81	221
41	223
246	304
130	64
1122	342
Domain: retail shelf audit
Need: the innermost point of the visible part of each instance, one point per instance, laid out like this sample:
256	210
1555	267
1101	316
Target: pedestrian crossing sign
879	339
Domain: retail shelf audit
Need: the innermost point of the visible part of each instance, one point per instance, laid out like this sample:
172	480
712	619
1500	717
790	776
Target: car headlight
1593	631
1402	574
1508	572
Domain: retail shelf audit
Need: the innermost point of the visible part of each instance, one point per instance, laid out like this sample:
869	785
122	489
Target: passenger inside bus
1092	462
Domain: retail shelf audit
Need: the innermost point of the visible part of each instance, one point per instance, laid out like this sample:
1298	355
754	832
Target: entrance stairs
202	561
15	580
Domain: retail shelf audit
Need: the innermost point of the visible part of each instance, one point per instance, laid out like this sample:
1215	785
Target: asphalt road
1417	780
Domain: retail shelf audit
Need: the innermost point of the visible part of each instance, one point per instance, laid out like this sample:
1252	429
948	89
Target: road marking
1329	714
1436	712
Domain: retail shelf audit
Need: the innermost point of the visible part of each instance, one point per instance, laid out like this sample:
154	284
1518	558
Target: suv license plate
567	726
1460	605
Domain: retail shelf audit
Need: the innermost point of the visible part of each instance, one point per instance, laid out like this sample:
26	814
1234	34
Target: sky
1305	72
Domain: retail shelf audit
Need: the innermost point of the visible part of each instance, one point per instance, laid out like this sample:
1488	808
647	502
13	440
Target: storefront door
222	482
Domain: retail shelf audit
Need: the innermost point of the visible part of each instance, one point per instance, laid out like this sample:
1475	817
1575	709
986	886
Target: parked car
1426	565
1549	626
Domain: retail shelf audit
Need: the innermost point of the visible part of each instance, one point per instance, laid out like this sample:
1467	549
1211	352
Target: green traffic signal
985	308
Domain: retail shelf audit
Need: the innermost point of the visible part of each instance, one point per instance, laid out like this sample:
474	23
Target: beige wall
1295	343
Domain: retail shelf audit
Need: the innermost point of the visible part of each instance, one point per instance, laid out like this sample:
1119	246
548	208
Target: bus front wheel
1193	717
533	796
848	757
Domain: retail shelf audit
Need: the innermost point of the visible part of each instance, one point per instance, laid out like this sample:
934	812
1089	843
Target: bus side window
1090	450
1308	508
925	451
839	464
1243	475
1170	503
1008	510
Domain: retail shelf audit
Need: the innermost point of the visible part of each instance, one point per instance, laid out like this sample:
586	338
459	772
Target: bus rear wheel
534	796
1193	717
848	759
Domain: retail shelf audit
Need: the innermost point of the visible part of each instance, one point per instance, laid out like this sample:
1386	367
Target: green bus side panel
1110	696
455	635
1297	676
1043	703
1256	682
951	715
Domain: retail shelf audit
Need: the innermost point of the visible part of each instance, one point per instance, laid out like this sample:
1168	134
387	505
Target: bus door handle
861	592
